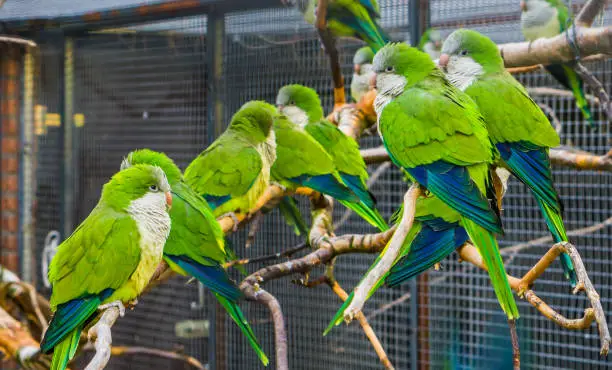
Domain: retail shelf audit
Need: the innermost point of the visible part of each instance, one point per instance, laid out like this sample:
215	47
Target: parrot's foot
117	304
283	187
234	218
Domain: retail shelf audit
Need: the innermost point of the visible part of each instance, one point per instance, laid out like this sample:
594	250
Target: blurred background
110	76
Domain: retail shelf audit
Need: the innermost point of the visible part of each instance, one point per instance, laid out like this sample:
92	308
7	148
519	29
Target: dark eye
153	188
389	69
463	52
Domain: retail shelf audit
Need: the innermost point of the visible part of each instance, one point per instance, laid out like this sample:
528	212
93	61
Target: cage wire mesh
146	86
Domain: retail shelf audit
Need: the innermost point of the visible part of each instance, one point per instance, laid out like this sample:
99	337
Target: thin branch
551	91
17	343
386	261
18	40
589	41
535	67
271	257
589	11
596	86
100	334
153	352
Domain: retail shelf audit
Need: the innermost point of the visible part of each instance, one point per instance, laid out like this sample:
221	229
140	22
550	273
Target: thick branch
589	41
100	334
558	156
589	11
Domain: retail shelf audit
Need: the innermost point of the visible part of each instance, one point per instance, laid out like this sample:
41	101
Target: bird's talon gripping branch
118	304
234	218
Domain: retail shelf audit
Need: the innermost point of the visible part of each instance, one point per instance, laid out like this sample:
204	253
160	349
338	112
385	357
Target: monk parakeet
362	72
435	233
548	18
516	125
302	106
234	171
349	18
436	134
431	43
196	244
110	258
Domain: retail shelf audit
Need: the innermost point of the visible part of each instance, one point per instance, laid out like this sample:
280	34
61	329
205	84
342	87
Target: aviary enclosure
84	83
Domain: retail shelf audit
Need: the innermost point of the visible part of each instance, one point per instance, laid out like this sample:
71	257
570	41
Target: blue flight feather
213	277
356	185
215	201
453	185
326	184
69	316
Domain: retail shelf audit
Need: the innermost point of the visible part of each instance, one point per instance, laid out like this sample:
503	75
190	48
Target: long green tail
292	215
555	225
489	250
578	89
236	314
65	350
369	214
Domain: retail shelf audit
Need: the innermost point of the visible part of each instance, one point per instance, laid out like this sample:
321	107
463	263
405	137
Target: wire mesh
146	86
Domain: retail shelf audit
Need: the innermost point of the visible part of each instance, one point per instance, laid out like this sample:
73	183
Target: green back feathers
477	46
255	118
132	183
304	98
404	60
363	55
153	158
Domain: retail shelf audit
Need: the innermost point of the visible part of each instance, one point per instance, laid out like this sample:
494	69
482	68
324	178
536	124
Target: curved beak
373	81
523	6
168	200
443	61
357	69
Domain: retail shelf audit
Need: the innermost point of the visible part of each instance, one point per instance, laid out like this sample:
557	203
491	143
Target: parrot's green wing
510	113
422	126
562	14
193	224
228	168
343	149
298	153
101	254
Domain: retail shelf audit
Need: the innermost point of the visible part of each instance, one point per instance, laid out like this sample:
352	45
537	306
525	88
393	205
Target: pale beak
169	200
373	81
523	6
443	61
357	69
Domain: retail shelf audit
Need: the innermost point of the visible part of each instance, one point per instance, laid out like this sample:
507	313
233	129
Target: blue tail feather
356	185
327	184
69	316
215	201
213	277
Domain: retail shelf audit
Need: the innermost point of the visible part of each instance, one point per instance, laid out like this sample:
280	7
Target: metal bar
415	22
27	188
68	199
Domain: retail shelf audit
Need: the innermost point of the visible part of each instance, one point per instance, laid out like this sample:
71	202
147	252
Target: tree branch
100	334
589	11
596	86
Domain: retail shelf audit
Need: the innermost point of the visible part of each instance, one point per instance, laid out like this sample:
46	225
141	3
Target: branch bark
100	334
589	11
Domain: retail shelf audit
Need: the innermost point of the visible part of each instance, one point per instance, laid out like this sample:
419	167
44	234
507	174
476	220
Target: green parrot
516	125
196	244
349	18
436	134
302	106
234	171
302	162
362	72
431	43
436	232
548	18
110	257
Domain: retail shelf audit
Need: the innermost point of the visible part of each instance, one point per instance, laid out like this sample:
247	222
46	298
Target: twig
367	328
101	335
589	11
18	40
17	343
386	262
172	355
596	86
516	352
557	49
270	257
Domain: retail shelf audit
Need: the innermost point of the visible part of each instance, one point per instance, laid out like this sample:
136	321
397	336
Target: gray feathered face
536	13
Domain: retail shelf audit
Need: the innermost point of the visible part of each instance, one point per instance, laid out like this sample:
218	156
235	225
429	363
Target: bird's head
300	104
255	118
153	158
142	185
397	66
466	55
363	57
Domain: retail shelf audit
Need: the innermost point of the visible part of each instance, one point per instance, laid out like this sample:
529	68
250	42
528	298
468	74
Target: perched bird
362	72
196	244
516	124
548	18
302	106
436	232
436	134
234	171
302	162
110	258
431	43
349	18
